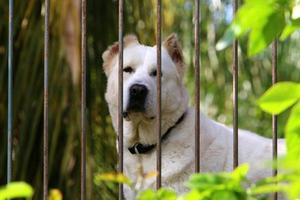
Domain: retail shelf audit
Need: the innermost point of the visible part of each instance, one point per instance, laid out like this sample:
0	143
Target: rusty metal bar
83	102
120	93
274	117
10	91
197	85
235	96
45	133
158	82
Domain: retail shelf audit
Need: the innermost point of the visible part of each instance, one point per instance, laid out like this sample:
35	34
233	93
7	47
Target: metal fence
197	66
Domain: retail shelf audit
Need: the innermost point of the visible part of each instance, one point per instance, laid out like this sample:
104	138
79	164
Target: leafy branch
263	21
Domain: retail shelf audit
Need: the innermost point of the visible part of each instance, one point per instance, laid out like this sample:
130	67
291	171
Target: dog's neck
146	132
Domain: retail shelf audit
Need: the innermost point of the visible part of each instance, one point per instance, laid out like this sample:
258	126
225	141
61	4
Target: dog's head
139	74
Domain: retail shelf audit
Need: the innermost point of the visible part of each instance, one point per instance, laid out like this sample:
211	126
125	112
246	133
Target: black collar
139	148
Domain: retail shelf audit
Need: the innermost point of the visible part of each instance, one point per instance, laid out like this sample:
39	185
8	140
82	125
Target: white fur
216	143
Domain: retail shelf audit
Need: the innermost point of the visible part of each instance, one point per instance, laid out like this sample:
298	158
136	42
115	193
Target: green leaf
55	194
279	97
248	17
240	172
224	195
289	29
293	133
161	194
193	195
16	190
166	194
114	177
207	181
263	20
265	32
294	189
147	195
227	39
270	188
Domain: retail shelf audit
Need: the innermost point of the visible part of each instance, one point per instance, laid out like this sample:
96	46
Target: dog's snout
137	97
138	91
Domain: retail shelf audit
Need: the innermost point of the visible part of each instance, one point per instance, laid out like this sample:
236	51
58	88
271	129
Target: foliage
218	186
115	177
276	100
55	194
161	194
264	21
280	97
16	190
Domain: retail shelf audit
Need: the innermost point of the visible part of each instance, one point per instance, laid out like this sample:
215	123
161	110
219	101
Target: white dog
139	112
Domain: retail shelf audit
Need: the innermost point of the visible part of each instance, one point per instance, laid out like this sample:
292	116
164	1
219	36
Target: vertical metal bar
120	93
45	134
235	96
158	82
83	101
274	118
10	91
197	85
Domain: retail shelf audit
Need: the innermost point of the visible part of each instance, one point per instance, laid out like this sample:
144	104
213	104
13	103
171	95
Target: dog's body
178	120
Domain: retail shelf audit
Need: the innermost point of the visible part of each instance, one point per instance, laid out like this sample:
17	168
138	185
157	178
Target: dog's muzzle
137	98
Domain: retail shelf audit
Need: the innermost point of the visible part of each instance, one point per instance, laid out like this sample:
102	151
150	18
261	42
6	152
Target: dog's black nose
137	98
138	91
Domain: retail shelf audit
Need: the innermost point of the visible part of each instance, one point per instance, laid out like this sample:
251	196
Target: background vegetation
254	79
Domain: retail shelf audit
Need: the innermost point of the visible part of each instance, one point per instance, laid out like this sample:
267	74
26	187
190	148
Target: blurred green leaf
265	31
218	181
294	188
289	29
248	17
166	194
207	181
228	37
55	194
16	190
161	194
114	177
193	195
264	20
293	133
147	195
279	97
224	195
269	188
240	172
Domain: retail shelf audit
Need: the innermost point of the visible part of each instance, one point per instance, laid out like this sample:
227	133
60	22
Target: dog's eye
154	73
128	69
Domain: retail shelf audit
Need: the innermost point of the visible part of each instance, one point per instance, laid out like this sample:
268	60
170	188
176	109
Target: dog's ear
113	50
173	47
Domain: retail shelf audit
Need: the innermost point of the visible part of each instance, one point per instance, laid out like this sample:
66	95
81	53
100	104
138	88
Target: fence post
45	127
197	84
235	97
10	91
158	82
120	93
83	102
